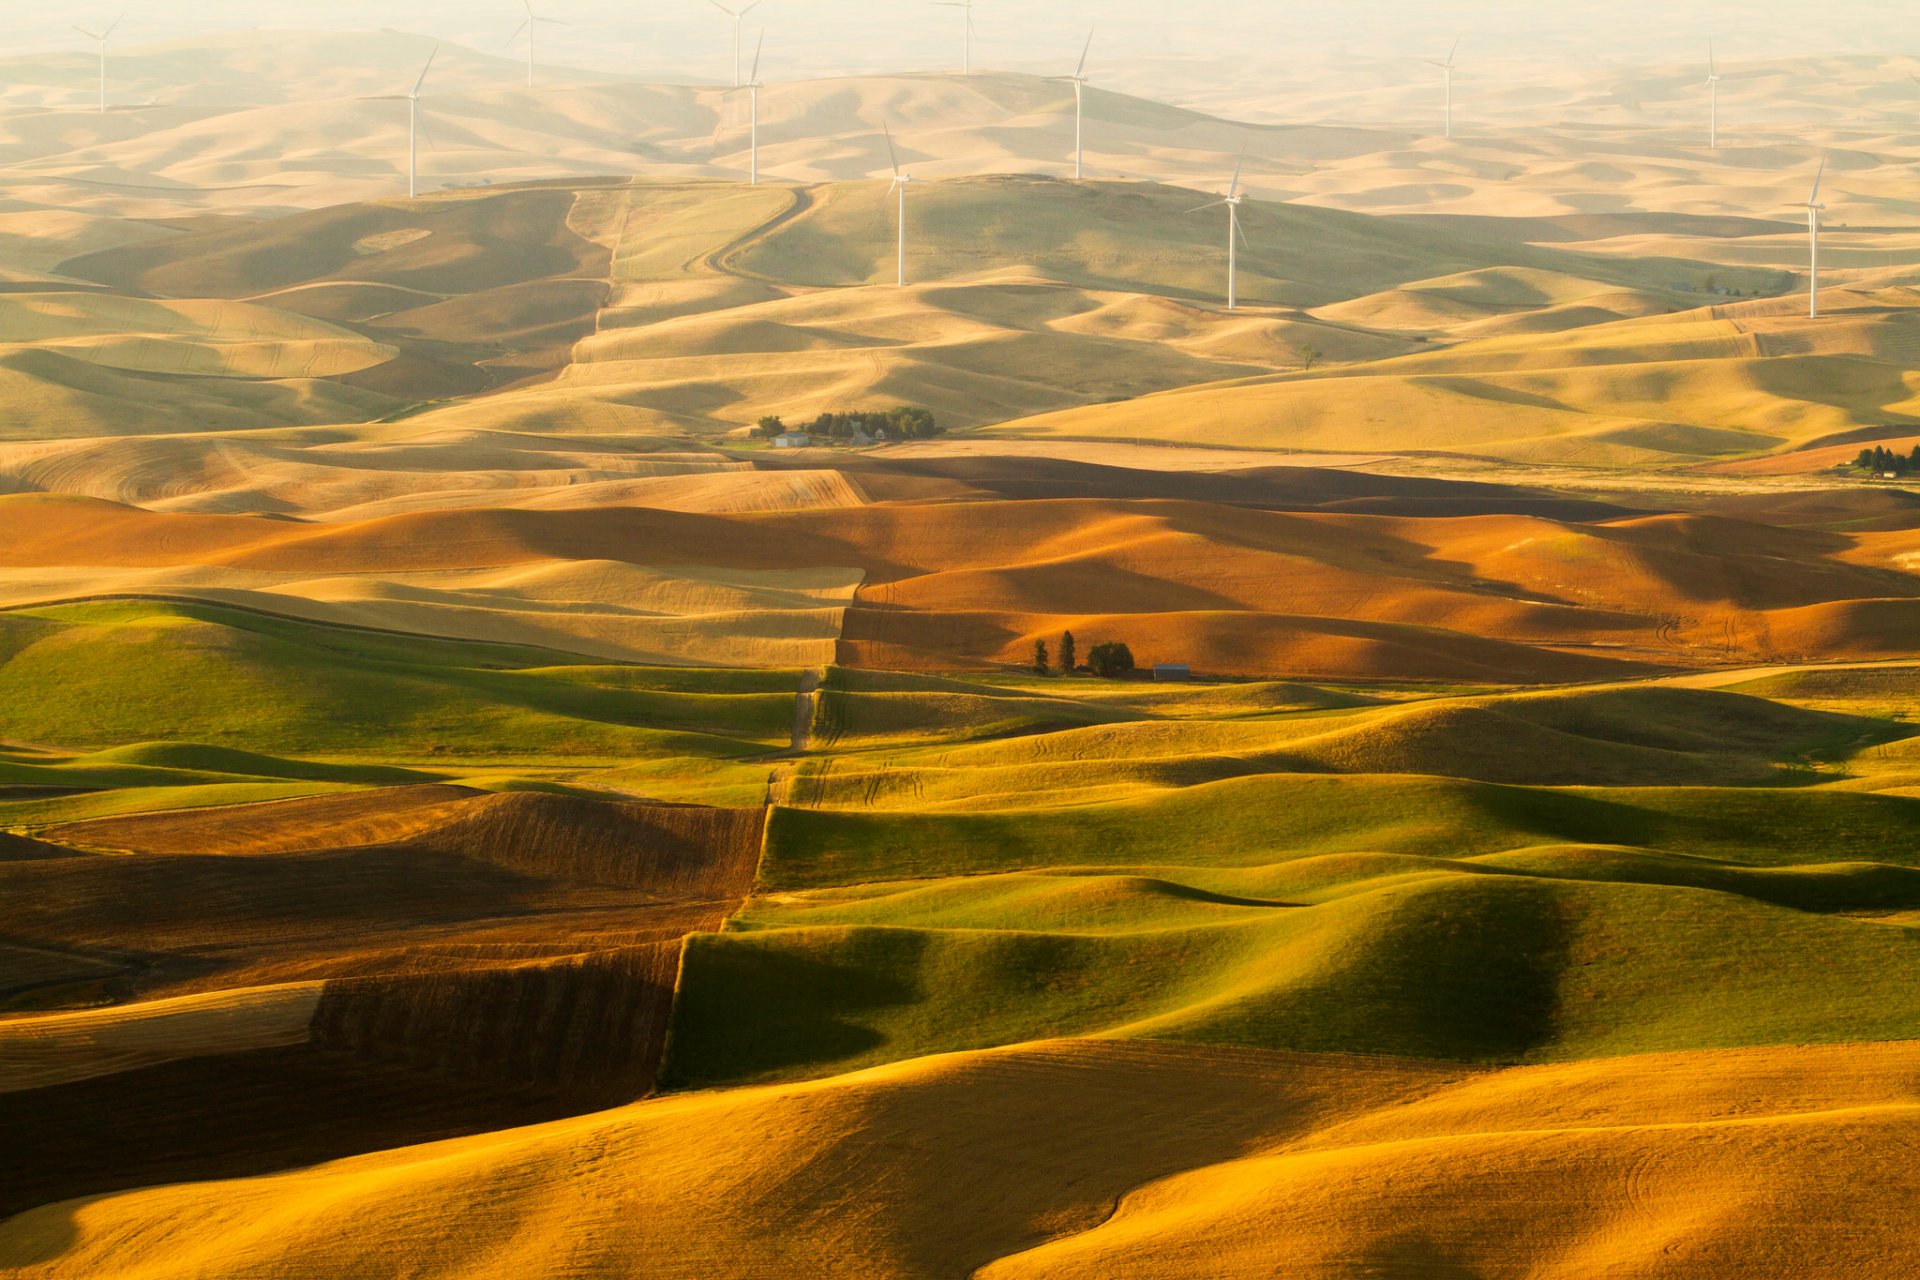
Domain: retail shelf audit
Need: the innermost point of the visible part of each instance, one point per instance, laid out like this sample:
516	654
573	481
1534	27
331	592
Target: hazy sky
687	39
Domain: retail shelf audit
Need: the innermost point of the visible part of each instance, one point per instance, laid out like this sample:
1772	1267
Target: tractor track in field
800	202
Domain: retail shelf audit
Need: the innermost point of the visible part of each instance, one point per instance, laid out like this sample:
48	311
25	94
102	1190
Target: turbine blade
88	34
1234	190
1452	51
425	132
1240	230
1201	208
1818	174
1080	72
517	30
111	25
750	8
1712	67
722	8
893	157
528	6
753	77
423	71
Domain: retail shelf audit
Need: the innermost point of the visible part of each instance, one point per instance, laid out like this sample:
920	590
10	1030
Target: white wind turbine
100	38
412	98
966	32
1079	82
736	15
1235	235
1813	241
753	87
900	181
530	24
1447	67
1713	98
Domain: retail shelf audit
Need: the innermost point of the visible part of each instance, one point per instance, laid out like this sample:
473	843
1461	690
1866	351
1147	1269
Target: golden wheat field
831	641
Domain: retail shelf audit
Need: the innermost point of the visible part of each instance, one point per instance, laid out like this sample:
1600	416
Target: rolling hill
471	805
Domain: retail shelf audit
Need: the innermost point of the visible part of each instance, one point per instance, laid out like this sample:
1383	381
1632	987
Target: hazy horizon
688	39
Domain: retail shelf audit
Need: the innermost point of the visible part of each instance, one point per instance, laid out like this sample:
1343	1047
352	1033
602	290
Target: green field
127	706
98	675
962	863
1554	876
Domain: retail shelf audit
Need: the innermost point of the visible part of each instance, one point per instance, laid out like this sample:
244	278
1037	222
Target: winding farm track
801	202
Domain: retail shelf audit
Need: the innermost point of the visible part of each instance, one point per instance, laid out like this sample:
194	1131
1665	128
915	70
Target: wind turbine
736	15
101	39
1713	98
753	87
1079	82
412	98
530	24
1235	235
1447	67
1813	241
900	181
966	32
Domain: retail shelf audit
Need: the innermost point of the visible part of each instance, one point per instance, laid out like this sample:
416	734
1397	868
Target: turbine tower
1813	241
412	98
1713	98
413	127
966	32
736	15
1447	67
900	181
1079	82
1235	235
530	24
100	38
753	87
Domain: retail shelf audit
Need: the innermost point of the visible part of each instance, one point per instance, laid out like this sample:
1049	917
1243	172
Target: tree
1039	657
1068	661
1110	660
769	427
1309	356
910	422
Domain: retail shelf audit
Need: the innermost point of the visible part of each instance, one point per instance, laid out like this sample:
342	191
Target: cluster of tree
1881	460
1109	659
902	422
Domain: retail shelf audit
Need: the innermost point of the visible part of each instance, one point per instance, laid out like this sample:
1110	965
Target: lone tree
1110	660
769	427
1309	356
1067	656
1039	657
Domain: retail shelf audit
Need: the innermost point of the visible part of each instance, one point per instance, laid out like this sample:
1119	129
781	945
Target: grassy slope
1138	237
1367	912
1623	736
122	673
